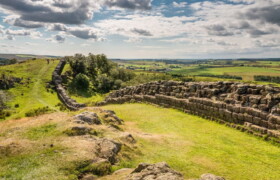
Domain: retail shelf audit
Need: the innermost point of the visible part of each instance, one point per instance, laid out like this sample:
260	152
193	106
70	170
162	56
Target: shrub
273	79
81	82
38	111
104	83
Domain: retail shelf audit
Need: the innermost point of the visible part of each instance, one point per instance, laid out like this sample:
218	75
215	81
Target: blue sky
142	28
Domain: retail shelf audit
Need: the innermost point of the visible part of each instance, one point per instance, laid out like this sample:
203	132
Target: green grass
90	100
43	164
41	132
195	146
247	73
33	93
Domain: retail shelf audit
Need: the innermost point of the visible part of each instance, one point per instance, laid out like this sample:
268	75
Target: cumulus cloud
59	38
57	27
141	32
267	14
268	43
179	5
135	26
63	11
21	23
130	4
218	30
84	32
10	37
11	34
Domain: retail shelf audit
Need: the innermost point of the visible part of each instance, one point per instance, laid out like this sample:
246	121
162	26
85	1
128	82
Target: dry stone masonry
247	107
61	92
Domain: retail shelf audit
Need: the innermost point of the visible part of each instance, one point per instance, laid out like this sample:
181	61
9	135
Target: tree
77	64
81	82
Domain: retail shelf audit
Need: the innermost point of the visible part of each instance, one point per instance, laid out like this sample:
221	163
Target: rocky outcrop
159	171
87	117
247	107
61	92
127	138
110	117
108	149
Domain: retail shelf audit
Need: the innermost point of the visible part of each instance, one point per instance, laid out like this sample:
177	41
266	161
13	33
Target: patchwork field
245	69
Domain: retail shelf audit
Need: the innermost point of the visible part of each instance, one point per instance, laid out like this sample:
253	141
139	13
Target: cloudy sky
142	28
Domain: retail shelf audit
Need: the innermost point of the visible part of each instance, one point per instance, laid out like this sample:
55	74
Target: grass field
195	146
33	93
246	69
247	73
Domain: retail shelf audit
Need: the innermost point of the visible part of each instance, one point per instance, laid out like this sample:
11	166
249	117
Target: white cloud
10	33
179	5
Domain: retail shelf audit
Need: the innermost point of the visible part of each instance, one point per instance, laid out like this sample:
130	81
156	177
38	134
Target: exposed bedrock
61	92
247	107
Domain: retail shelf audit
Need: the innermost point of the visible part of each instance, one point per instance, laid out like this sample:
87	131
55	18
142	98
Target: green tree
81	82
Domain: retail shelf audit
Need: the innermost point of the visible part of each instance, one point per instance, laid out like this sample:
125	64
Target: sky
182	29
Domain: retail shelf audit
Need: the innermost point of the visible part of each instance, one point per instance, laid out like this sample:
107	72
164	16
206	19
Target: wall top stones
261	97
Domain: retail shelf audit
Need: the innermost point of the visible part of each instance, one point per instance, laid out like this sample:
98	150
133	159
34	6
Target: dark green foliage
221	76
4	114
7	82
95	71
81	82
8	61
38	111
77	64
99	169
61	106
273	79
72	132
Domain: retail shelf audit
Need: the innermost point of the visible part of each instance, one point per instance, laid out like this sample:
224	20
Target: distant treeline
221	76
273	79
7	61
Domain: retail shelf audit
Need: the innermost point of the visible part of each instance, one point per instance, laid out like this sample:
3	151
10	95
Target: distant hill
23	57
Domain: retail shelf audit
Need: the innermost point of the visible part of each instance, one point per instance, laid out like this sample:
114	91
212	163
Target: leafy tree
77	64
97	70
81	82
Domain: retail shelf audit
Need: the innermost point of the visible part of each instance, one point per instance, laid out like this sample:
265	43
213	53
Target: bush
81	82
4	114
225	76
104	83
273	79
38	111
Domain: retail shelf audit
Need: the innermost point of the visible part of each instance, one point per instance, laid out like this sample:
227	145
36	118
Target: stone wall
61	92
247	107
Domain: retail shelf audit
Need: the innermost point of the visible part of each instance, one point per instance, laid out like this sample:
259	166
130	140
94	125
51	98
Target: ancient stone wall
247	107
61	92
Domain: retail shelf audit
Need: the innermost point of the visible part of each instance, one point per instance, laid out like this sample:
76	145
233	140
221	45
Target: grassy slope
37	148
195	146
34	94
